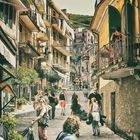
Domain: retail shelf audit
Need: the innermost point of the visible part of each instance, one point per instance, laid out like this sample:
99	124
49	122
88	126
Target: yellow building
117	23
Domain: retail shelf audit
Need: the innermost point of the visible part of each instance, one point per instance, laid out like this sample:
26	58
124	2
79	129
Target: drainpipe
98	59
1	100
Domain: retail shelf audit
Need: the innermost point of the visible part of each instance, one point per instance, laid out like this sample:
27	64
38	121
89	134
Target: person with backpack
94	110
70	128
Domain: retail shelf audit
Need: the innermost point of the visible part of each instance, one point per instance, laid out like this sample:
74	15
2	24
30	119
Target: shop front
8	53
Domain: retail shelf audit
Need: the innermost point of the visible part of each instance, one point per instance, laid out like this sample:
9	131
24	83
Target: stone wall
127	106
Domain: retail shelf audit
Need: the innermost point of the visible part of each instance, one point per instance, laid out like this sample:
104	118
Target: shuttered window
114	19
7	13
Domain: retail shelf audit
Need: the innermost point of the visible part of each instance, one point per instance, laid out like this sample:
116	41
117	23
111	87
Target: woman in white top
94	110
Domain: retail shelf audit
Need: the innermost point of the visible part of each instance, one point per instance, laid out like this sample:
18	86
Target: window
20	33
1	10
7	13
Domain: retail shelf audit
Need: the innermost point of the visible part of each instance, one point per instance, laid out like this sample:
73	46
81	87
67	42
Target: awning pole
6	79
2	107
7	103
1	75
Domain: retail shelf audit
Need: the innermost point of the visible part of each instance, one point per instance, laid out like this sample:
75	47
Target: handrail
117	53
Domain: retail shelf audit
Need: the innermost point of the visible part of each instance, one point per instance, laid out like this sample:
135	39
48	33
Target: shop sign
7	54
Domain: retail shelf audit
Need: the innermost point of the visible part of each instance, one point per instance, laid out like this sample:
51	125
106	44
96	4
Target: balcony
61	67
30	20
21	5
59	30
28	49
59	46
40	5
118	59
42	36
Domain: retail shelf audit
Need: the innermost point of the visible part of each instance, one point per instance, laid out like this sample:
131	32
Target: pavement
55	126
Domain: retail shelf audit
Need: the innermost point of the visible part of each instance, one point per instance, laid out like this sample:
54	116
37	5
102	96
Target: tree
26	77
53	78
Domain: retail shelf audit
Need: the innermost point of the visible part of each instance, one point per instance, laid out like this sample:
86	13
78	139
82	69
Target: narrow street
55	126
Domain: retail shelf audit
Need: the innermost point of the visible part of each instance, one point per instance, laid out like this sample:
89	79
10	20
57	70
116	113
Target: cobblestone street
55	126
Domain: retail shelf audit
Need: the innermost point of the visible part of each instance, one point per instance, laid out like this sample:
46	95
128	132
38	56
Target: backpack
62	136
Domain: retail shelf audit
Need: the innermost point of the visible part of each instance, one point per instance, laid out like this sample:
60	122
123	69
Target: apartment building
39	35
118	26
85	46
9	13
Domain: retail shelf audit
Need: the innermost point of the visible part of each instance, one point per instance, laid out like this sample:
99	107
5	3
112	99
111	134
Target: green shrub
21	101
14	135
9	121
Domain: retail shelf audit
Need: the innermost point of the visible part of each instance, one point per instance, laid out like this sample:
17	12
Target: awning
55	26
62	50
4	86
60	74
7	49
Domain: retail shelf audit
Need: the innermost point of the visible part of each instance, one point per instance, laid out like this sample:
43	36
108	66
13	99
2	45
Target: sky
82	7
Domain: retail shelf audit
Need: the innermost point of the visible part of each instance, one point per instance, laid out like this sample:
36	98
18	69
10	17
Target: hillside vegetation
80	20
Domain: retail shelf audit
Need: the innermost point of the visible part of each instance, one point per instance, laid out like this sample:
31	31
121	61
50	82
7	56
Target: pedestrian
96	95
42	113
52	102
39	95
85	92
94	110
62	102
70	128
75	106
74	96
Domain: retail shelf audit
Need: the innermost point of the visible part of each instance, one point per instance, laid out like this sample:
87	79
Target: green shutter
6	9
1	10
10	16
114	19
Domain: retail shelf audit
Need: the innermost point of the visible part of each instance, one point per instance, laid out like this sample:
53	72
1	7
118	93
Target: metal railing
119	52
32	15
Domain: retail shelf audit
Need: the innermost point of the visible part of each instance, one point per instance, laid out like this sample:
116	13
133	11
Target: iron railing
32	15
119	52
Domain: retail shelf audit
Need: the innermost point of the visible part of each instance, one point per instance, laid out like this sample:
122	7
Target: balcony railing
30	19
119	53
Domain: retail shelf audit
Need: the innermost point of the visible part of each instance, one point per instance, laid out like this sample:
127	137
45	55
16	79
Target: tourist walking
75	106
62	102
52	102
42	118
70	128
94	110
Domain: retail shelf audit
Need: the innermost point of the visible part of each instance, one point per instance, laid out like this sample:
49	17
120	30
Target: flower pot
19	106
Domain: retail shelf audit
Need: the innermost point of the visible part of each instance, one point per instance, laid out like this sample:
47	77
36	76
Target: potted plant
20	102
